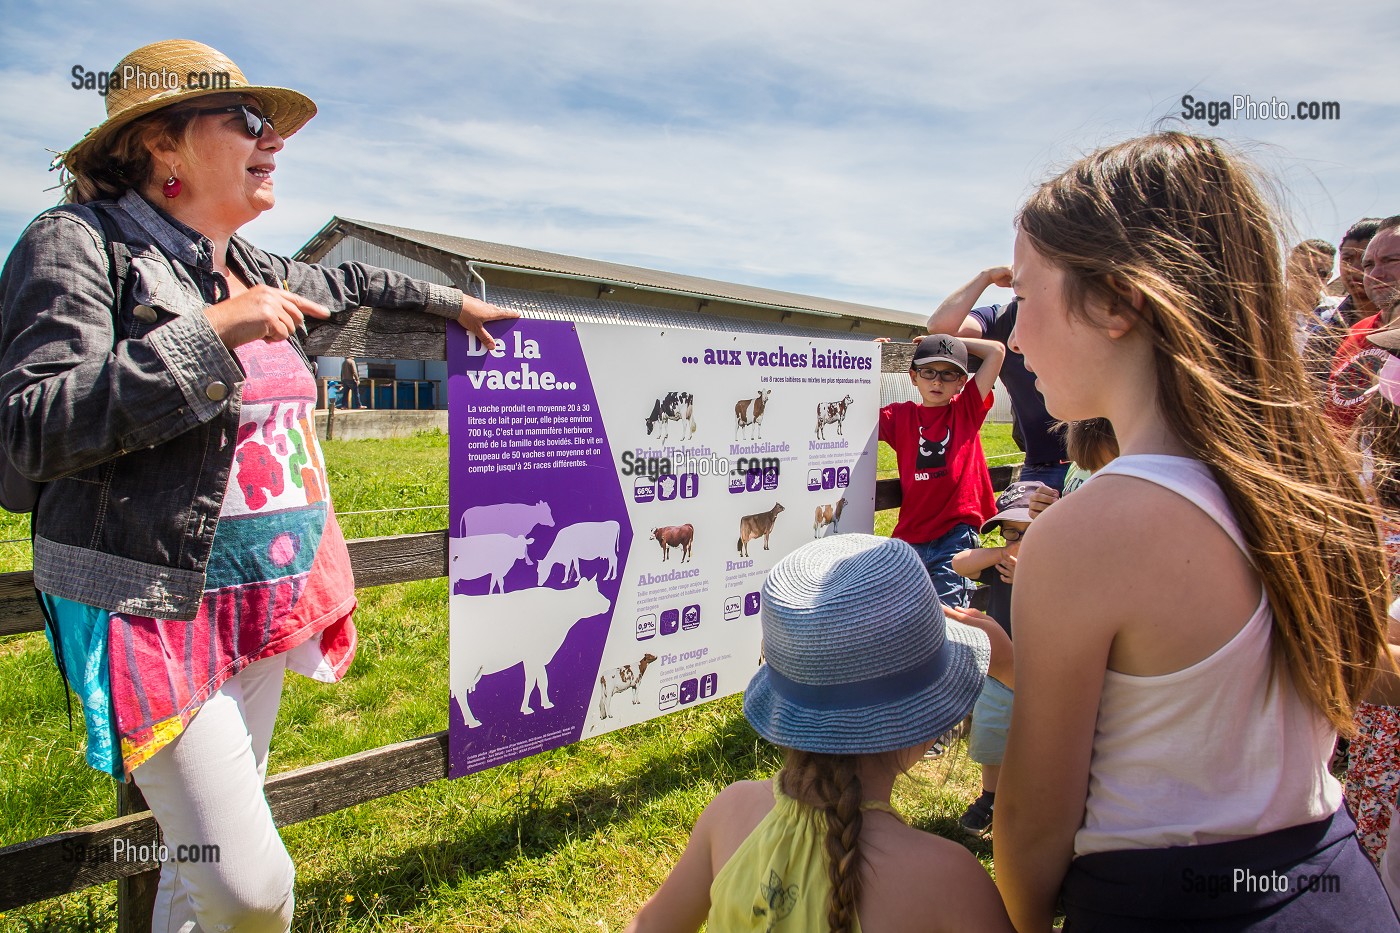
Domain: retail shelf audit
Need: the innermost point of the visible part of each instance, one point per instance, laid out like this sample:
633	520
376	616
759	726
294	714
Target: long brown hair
831	784
1378	434
127	163
1180	220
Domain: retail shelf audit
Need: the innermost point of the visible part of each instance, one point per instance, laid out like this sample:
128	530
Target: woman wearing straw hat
856	691
184	542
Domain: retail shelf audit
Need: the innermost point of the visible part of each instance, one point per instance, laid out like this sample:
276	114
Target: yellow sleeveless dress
776	881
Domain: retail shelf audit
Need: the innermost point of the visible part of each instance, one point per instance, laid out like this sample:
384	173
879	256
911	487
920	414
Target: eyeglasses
253	120
1011	535
943	375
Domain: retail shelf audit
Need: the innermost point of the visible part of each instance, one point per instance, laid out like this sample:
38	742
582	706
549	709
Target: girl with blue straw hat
862	675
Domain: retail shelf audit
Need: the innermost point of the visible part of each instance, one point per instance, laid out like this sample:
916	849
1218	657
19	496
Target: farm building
551	285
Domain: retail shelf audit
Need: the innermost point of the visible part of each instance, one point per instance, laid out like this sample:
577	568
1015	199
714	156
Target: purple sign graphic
538	543
599	475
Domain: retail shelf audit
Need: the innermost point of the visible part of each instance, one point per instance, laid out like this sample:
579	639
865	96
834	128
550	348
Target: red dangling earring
171	188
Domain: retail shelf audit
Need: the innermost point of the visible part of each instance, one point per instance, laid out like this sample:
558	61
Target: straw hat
859	656
155	76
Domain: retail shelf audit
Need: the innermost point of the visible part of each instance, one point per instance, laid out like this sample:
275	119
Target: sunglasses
943	375
253	120
1011	535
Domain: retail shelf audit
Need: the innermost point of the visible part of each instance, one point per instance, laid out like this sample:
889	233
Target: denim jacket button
216	391
144	313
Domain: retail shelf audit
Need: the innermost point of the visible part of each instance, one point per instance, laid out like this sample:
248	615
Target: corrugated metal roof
534	304
559	264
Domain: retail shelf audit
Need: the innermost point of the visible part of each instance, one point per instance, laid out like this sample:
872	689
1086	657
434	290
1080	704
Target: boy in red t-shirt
942	471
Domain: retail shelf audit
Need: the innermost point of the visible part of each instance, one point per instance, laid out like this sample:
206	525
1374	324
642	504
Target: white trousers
206	789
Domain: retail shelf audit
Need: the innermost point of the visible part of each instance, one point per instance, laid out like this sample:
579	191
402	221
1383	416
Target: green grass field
574	839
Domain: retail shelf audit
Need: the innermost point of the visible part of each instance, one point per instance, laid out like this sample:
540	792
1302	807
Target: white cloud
875	154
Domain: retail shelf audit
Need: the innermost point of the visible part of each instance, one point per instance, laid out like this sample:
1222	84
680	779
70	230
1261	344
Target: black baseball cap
940	348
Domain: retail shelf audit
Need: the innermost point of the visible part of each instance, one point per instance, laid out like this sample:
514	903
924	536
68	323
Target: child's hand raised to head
1001	667
1042	499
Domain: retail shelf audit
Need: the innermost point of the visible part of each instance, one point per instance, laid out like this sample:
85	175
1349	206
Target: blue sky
873	153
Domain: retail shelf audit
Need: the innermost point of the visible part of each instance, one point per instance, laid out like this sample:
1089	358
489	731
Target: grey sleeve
353	285
72	395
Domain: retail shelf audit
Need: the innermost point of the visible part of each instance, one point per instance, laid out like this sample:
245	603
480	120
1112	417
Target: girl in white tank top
1195	623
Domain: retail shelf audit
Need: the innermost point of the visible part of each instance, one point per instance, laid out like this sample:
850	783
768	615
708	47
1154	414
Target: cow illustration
488	555
615	681
832	413
579	542
828	516
495	633
673	406
507	518
748	412
680	536
754	526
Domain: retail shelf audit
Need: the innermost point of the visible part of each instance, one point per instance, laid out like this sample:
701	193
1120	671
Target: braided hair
831	785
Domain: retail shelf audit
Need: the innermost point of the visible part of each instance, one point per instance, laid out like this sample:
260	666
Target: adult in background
349	383
184	542
1306	276
1196	623
1373	762
1044	445
1358	360
1330	325
1380	269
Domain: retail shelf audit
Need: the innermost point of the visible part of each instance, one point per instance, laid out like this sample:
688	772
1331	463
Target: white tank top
1217	751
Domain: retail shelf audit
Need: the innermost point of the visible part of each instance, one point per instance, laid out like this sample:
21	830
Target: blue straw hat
859	656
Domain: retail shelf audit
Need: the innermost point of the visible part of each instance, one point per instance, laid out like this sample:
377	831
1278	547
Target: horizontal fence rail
39	869
376	561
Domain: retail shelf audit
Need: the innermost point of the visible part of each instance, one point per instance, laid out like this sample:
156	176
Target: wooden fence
44	868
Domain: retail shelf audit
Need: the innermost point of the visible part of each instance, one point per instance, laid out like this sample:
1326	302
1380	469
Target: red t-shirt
942	470
1354	370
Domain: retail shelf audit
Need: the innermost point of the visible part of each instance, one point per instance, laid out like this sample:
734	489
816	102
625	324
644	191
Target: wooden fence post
136	894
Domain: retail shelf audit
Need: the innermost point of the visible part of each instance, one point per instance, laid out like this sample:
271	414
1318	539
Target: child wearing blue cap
856	689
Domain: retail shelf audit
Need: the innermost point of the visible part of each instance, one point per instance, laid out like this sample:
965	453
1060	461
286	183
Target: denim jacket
131	419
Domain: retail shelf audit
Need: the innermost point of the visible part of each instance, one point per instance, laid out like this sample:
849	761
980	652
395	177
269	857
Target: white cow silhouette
491	634
488	555
579	542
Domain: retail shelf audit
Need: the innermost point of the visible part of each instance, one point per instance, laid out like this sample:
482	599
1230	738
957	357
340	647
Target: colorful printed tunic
279	580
